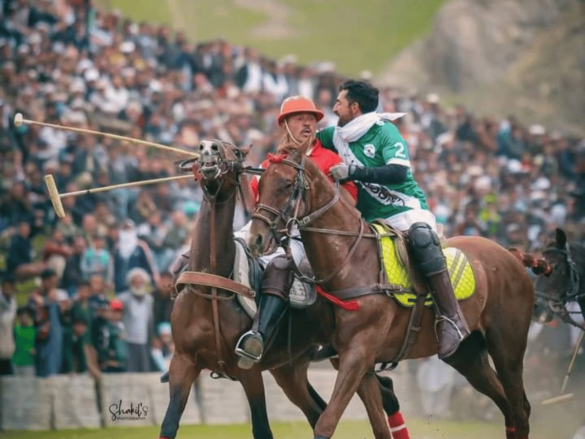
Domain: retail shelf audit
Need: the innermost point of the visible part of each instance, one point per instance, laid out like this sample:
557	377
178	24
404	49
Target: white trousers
297	248
403	221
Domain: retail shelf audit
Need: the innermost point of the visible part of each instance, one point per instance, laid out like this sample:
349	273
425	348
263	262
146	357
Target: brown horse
205	330
294	190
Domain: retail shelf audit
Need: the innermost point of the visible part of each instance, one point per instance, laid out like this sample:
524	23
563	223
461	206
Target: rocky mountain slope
525	57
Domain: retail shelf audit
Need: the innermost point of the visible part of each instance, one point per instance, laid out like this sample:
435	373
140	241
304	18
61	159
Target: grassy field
356	35
347	430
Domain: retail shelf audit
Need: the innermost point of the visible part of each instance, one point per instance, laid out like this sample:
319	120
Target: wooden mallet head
54	194
18	119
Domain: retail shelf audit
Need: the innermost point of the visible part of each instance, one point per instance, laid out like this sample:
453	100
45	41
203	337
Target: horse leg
182	374
253	385
294	382
471	360
354	362
389	402
370	394
508	359
391	405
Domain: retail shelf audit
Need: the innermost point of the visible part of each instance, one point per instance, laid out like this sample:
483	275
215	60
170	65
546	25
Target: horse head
554	290
218	167
292	192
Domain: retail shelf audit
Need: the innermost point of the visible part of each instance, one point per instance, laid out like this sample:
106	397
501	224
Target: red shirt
324	158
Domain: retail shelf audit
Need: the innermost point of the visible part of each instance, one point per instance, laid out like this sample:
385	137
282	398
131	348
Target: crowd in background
65	62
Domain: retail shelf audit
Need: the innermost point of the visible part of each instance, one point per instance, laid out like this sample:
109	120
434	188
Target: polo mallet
56	196
19	120
568	396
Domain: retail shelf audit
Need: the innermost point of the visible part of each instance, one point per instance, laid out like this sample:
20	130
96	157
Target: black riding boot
276	283
426	249
452	327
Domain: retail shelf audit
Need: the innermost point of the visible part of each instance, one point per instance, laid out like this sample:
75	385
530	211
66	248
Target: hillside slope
504	56
354	34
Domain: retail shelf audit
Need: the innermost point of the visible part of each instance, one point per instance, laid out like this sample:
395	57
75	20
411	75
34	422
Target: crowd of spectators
66	62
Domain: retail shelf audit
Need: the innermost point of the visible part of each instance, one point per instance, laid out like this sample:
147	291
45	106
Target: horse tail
537	265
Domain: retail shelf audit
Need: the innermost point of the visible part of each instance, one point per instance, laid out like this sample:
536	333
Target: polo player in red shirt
298	121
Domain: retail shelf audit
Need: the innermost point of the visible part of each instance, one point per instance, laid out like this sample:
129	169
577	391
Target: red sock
510	432
398	428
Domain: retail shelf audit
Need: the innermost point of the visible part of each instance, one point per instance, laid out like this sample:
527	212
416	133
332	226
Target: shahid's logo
370	150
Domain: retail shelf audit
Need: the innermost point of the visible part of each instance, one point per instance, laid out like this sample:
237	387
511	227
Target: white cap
537	130
433	98
91	74
127	47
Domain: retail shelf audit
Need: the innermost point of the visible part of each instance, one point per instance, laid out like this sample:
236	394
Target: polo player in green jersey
375	157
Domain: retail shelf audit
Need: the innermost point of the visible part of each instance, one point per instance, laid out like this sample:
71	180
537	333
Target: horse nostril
258	241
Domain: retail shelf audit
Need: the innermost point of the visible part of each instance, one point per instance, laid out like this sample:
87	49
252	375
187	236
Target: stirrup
246	360
439	319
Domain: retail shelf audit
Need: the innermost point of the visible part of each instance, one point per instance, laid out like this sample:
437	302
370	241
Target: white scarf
127	242
355	129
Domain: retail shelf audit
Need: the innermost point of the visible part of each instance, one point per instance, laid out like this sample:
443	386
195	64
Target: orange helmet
298	104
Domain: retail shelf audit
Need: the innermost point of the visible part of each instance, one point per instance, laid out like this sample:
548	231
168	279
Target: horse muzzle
261	244
210	166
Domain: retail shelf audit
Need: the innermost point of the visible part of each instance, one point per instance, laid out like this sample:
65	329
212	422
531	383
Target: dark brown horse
499	312
566	282
205	331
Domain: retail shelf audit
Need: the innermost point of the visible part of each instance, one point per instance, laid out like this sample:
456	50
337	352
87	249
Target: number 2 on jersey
400	152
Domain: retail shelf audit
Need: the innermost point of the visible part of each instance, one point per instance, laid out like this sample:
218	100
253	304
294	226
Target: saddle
401	247
248	271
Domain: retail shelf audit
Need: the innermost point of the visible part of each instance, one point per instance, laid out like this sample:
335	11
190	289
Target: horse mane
537	265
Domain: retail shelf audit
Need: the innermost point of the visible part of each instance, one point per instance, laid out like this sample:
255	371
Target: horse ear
245	150
561	239
296	155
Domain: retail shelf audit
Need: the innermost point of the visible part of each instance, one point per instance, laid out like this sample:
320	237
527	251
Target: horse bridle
571	292
238	169
224	166
289	215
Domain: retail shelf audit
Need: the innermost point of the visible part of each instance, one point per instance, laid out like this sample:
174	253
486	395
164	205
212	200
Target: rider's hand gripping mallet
566	380
19	120
56	196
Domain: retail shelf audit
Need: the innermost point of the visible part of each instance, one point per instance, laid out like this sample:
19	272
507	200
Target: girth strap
353	293
214	281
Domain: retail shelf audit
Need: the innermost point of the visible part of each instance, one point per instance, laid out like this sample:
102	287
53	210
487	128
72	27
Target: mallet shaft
572	363
122	185
113	136
558	399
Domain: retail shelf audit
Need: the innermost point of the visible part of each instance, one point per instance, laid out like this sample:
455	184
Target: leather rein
289	215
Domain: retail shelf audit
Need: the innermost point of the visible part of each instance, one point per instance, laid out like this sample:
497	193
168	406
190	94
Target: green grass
297	430
356	35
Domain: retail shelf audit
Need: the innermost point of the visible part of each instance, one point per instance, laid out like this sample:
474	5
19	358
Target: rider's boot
452	327
427	252
276	282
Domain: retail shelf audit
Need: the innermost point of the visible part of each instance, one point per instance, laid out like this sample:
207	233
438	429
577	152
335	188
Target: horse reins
301	185
237	168
557	304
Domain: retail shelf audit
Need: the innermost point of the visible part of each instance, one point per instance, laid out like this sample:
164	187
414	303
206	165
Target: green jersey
381	145
24	339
